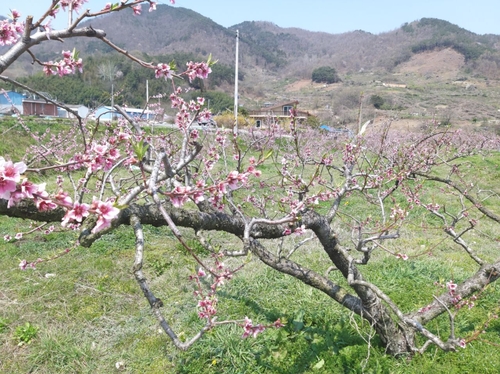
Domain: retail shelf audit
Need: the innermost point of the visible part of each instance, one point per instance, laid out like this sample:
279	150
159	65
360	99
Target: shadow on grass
310	339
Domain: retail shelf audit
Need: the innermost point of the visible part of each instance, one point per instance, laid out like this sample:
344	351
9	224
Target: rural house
8	99
108	113
277	113
39	107
82	111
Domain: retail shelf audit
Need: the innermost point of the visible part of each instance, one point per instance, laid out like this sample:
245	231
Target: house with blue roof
10	100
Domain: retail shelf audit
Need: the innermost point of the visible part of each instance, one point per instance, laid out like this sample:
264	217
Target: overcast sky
333	16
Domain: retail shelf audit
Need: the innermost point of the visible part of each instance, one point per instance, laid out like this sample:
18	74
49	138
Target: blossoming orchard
270	191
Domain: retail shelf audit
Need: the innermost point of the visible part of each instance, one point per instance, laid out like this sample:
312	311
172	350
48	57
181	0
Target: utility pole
235	128
70	14
112	101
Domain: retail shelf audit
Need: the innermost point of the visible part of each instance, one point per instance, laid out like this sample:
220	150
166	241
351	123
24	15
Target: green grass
84	312
91	314
15	139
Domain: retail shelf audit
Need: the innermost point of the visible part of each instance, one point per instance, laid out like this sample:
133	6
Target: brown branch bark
24	44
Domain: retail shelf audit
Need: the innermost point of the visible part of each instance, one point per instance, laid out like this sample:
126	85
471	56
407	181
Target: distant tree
313	122
377	101
325	74
217	101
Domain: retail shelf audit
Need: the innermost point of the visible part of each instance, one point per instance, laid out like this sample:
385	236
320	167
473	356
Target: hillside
441	64
285	52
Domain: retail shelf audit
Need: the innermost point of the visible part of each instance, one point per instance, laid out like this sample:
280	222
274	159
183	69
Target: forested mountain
279	50
300	51
267	51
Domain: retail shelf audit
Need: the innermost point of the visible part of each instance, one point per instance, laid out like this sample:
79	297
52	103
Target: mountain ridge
281	51
422	66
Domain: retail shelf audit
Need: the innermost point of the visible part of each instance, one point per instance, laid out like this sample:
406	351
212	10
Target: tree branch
154	302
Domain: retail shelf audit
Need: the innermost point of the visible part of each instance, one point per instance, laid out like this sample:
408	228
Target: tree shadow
307	335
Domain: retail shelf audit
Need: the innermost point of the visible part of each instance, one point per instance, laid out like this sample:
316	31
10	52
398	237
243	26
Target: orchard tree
213	182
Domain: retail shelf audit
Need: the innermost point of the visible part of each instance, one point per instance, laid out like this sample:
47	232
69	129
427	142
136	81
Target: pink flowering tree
273	190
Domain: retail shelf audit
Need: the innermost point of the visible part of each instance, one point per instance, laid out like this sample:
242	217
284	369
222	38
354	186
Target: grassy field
84	312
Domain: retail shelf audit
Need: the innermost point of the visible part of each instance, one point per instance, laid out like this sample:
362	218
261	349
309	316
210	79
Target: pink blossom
7	238
252	170
9	32
194	134
179	196
205	116
221	187
63	199
68	65
63	69
28	188
198	197
300	230
251	329
53	12
77	214
19	236
23	264
137	9
47	69
122	136
163	70
41	190
175	99
66	54
152	6
100	149
172	2
101	224
49	230
15	197
232	180
45	205
75	4
107	211
15	14
10	174
451	286
11	170
6	187
207	307
277	324
114	154
197	70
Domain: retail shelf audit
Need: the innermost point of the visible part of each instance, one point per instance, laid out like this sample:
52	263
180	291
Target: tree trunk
397	338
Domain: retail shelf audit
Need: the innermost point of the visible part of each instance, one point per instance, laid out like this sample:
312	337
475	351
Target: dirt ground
307	83
443	65
412	124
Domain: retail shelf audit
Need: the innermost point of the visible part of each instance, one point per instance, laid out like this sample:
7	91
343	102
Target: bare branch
154	302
